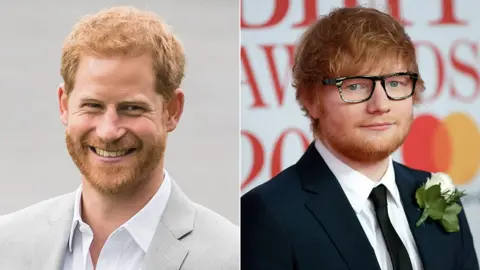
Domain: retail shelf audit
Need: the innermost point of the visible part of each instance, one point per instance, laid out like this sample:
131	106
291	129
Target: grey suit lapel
166	252
51	245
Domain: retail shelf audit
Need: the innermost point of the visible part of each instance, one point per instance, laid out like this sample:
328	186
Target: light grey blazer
188	237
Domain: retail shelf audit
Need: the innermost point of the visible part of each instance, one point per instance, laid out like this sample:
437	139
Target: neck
104	213
374	170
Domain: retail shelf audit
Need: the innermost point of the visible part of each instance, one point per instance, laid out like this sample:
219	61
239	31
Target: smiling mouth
111	154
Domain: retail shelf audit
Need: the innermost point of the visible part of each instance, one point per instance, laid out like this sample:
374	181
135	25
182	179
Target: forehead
114	77
389	66
374	66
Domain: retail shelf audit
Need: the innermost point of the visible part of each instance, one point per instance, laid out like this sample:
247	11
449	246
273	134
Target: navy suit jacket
302	219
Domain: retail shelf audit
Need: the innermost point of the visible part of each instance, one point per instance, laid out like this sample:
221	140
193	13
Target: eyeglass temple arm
329	81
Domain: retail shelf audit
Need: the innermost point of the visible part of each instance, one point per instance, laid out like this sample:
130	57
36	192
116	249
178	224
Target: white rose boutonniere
439	199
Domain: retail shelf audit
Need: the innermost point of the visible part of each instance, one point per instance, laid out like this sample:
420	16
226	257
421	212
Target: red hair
346	42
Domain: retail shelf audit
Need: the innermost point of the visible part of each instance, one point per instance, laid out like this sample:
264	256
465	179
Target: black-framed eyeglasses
357	89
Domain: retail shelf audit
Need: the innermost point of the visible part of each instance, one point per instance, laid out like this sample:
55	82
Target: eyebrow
89	100
140	103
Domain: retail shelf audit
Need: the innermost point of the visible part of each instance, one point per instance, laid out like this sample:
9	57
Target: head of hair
126	32
349	42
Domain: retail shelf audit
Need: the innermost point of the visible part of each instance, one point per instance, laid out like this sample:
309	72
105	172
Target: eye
356	86
92	105
132	109
394	83
353	87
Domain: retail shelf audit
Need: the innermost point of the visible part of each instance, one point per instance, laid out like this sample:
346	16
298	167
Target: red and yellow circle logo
450	145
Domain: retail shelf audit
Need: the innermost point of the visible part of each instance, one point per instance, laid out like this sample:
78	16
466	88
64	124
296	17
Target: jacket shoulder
287	183
420	176
282	182
214	242
26	218
207	219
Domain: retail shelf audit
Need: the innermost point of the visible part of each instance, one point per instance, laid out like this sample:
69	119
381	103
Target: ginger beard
361	145
122	177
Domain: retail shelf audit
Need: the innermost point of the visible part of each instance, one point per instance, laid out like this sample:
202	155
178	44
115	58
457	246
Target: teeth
104	153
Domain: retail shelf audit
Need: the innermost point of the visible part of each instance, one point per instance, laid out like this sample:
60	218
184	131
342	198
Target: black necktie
396	249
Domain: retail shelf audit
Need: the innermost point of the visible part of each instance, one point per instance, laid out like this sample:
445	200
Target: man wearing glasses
346	204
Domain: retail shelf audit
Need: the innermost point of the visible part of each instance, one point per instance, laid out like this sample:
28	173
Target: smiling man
122	70
346	204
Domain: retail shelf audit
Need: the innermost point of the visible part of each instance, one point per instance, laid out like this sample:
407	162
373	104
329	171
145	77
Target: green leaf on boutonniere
420	196
453	209
436	208
434	203
450	224
450	219
432	194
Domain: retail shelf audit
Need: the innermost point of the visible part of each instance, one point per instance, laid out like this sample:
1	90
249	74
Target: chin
370	149
106	186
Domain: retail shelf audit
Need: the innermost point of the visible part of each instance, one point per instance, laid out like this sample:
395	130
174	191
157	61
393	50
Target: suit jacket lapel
49	249
166	251
330	206
428	237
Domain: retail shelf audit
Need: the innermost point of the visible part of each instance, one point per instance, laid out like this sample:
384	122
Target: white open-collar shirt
126	247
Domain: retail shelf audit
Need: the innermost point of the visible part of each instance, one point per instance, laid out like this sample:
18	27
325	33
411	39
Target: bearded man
120	98
345	204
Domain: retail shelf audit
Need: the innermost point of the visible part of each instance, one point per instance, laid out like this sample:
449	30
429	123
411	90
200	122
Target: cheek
403	110
142	127
342	116
80	125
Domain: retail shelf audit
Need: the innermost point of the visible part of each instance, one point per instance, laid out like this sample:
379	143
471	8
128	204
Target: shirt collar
357	187
143	224
77	218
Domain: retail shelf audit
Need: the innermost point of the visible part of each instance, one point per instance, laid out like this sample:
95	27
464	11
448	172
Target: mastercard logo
450	145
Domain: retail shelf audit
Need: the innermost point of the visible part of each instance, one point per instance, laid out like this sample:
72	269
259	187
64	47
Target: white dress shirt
126	247
357	188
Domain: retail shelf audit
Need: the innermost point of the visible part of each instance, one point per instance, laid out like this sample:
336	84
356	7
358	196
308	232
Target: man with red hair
120	99
346	204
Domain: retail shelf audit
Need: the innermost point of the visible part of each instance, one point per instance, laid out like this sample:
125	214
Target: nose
108	127
379	102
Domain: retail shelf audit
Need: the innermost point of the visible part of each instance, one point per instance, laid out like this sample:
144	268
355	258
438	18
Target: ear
309	102
63	103
174	110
